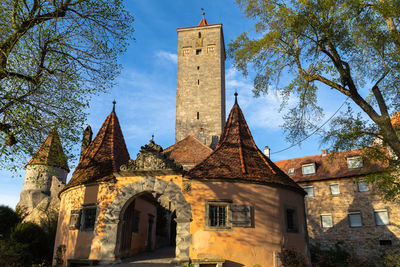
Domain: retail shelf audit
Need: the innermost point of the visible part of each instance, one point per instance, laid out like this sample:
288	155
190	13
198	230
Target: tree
350	46
54	55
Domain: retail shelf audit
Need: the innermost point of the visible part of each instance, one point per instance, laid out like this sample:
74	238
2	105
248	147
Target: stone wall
200	94
367	241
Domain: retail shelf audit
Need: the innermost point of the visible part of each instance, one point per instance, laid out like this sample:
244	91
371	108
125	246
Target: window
362	186
210	49
355	219
198	115
291	220
198	51
334	189
355	162
88	218
326	221
186	51
199	34
291	171
308	169
309	190
74	221
198	67
218	214
198	82
385	242
381	217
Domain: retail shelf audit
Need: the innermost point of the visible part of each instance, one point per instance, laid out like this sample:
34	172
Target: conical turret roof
50	153
237	158
104	155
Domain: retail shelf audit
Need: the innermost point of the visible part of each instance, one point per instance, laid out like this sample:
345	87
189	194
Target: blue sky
146	88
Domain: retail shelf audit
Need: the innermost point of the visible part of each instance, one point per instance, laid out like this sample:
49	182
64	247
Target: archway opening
147	228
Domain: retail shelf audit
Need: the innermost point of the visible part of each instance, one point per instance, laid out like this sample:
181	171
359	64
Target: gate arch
170	190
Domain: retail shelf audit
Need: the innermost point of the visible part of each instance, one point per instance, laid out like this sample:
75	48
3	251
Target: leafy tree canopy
350	46
54	55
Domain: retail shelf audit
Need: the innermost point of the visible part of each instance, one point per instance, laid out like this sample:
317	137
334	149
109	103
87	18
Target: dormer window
308	169
291	171
355	162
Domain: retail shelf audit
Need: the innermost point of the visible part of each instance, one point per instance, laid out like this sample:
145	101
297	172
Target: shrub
333	257
13	254
391	258
291	258
8	219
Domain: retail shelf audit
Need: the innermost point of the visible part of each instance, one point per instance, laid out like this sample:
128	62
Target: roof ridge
240	144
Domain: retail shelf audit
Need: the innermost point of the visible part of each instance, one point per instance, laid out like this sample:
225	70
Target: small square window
355	162
385	242
362	186
88	218
218	214
326	221
309	190
210	49
291	220
291	171
198	51
334	189
308	169
381	217
186	51
355	219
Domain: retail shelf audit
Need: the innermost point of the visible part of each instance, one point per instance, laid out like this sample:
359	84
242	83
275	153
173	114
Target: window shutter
241	215
75	219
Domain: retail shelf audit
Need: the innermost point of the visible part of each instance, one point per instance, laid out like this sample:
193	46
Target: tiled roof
203	22
330	166
50	153
237	157
189	151
395	120
104	155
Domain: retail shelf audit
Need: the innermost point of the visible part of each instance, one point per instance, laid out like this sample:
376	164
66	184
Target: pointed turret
104	155
237	158
50	153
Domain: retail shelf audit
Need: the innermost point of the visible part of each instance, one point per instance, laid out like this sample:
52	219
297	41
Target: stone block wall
200	96
368	241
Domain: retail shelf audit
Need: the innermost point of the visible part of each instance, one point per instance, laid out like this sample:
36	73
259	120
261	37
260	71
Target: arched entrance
111	240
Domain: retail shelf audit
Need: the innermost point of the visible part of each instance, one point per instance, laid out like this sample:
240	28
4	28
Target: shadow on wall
358	233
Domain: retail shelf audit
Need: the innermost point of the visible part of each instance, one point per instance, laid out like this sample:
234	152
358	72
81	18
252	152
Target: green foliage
291	258
391	258
14	254
333	257
31	234
349	46
54	55
8	219
59	258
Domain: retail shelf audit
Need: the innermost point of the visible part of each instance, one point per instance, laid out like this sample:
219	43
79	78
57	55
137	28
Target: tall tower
200	92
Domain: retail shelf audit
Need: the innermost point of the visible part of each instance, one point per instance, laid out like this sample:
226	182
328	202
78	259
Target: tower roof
104	155
50	153
189	151
203	22
237	158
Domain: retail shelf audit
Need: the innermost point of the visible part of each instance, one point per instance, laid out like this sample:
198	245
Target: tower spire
236	94
203	21
114	102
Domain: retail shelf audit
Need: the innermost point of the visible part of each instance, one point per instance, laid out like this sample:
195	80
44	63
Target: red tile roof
50	153
189	151
203	22
104	155
331	166
237	157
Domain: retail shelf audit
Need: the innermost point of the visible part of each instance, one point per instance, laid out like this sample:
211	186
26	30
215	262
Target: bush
391	258
13	254
291	258
35	237
8	219
333	257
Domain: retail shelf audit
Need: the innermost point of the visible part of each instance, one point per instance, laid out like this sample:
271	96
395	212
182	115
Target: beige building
341	208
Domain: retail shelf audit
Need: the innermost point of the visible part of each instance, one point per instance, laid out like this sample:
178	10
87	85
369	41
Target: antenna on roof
114	102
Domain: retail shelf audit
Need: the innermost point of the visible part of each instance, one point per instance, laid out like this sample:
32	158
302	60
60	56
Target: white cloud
167	56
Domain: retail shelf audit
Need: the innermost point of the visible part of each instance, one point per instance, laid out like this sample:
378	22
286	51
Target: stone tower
200	93
45	177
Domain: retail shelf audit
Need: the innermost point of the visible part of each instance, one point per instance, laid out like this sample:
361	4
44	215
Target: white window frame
362	188
313	192
322	221
355	163
308	165
355	213
338	189
376	219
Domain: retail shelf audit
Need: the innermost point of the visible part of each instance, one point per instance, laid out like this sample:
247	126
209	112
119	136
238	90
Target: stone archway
153	185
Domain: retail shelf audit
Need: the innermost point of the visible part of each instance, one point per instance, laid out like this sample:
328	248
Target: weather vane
202	9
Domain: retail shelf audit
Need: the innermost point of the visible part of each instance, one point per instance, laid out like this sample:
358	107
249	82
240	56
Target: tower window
198	67
198	82
198	115
210	49
199	34
198	51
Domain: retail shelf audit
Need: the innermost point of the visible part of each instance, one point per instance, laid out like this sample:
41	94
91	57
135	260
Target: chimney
324	152
86	139
267	151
